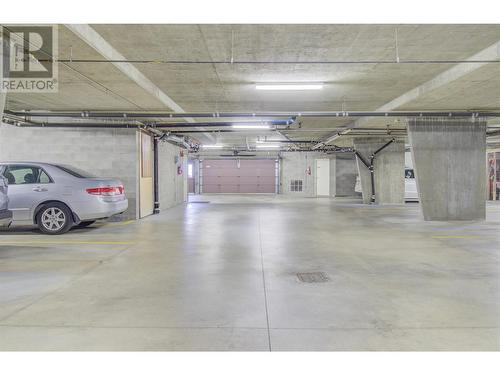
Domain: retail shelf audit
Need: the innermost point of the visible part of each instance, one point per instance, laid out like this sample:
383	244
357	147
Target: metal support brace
156	177
371	166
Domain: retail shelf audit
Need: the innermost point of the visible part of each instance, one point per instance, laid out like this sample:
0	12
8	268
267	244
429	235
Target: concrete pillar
345	172
450	167
2	104
389	167
2	95
196	175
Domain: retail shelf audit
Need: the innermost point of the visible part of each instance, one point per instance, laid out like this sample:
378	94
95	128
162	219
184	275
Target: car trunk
93	183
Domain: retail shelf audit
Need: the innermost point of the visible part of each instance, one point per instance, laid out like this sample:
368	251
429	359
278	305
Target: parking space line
460	237
116	224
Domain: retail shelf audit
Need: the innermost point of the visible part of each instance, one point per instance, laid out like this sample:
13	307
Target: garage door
238	176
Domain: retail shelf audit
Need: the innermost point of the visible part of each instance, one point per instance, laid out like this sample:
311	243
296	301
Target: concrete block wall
343	173
294	166
172	186
104	152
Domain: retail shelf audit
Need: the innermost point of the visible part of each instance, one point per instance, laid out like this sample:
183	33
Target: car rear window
76	172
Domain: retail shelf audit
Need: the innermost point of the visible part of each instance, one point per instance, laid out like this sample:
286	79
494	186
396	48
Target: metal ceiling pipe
167	137
287	122
288	141
162	115
331	130
175	139
73	120
331	139
340	114
380	135
216	131
271	62
493	133
133	125
384	133
79	125
210	131
136	125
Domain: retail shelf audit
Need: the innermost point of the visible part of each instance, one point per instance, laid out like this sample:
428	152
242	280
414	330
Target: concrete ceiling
192	65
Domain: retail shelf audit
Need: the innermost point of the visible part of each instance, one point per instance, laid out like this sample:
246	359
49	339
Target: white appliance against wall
323	177
411	192
146	194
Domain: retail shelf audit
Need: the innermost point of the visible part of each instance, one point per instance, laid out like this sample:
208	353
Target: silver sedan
57	197
5	214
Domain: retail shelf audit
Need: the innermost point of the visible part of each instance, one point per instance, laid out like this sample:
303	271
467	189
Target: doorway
323	177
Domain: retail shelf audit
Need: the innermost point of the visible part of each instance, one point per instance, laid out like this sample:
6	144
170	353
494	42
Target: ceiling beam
97	42
471	64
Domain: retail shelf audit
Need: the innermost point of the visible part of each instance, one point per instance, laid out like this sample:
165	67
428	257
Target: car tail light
108	190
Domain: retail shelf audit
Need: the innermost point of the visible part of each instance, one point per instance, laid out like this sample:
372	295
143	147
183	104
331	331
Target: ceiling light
289	86
259	126
212	146
267	146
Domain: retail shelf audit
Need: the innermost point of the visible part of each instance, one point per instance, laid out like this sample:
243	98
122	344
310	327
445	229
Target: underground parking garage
305	192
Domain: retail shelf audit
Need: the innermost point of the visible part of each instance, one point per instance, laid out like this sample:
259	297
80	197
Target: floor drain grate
313	277
200	202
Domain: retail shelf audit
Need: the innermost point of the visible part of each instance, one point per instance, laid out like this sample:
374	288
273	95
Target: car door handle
39	189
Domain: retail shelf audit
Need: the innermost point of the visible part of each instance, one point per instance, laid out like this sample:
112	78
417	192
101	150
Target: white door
322	177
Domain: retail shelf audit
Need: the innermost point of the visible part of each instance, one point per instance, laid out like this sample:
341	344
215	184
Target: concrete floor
222	276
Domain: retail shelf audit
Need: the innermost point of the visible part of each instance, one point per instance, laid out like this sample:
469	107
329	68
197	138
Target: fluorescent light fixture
289	86
212	146
250	127
260	145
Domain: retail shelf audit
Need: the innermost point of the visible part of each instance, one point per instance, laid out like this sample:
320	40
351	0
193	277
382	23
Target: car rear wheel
85	224
54	218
